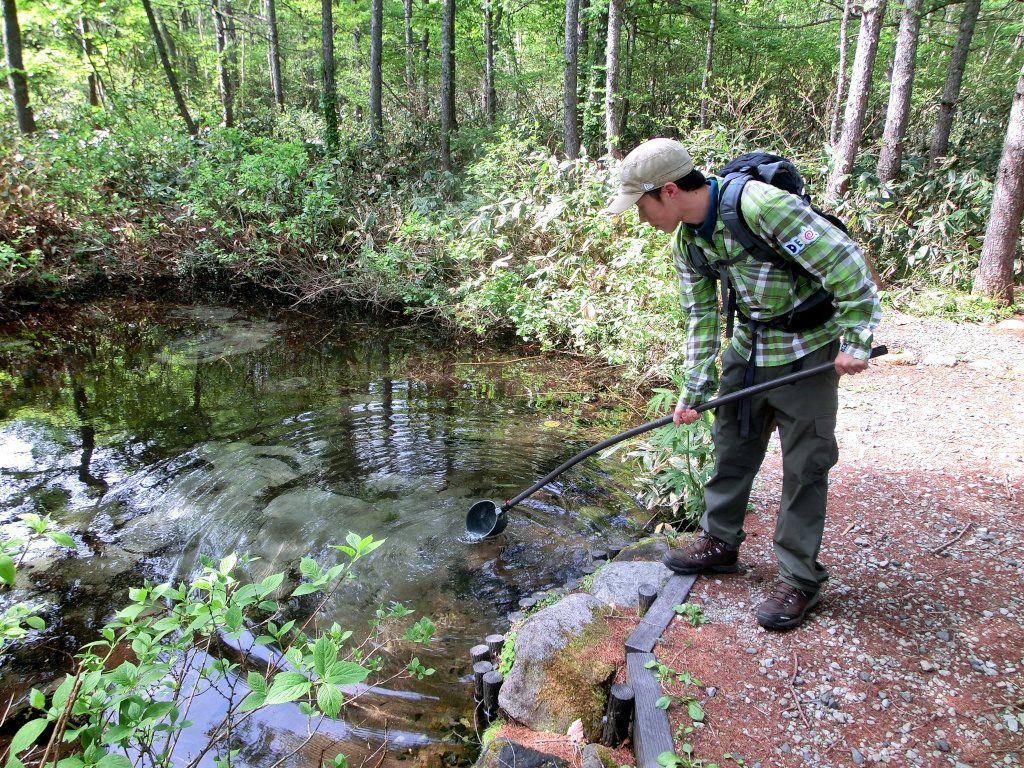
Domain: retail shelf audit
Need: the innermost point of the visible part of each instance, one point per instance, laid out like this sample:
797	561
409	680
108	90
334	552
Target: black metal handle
732	397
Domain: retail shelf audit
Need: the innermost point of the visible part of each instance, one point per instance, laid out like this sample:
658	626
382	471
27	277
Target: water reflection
155	434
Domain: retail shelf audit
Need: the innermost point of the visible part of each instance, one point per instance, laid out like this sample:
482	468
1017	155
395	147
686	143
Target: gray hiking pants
805	413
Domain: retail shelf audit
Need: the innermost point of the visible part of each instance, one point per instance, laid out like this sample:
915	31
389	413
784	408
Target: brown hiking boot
705	553
786	607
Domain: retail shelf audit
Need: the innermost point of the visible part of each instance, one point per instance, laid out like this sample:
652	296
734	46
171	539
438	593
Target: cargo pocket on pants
825	453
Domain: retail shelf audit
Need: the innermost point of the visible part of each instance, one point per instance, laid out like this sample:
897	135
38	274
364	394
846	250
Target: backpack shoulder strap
732	216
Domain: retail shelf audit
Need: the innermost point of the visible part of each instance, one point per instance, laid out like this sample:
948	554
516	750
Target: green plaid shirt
763	291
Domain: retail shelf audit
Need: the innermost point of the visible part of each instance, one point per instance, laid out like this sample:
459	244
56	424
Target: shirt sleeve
829	254
699	299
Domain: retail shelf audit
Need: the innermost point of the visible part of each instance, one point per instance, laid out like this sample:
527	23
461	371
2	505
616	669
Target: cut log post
598	554
527	603
496	643
492	686
480	653
480	669
620	714
613	551
646	595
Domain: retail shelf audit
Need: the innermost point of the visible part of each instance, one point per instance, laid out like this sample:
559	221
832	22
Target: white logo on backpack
801	241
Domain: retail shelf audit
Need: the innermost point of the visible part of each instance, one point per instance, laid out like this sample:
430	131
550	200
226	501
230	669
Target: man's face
654	210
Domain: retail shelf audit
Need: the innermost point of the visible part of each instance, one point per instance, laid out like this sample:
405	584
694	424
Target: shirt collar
707	229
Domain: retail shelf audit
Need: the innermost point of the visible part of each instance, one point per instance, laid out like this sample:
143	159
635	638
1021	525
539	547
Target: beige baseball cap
652	164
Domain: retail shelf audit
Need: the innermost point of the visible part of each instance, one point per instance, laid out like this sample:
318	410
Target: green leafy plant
674	462
18	619
171	635
692	612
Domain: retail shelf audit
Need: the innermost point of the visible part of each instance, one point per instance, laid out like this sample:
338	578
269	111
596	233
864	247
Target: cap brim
622	203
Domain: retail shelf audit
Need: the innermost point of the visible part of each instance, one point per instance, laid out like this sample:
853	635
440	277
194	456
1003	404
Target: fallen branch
793	690
952	541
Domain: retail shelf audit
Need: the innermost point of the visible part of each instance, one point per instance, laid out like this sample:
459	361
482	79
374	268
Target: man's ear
670	188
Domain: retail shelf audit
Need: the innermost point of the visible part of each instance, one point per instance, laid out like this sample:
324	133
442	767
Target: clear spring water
155	433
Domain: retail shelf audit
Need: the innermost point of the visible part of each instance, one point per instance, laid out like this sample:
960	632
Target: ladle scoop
487	518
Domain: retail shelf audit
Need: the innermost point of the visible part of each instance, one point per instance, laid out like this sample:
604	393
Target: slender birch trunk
901	88
708	60
570	90
166	63
16	69
376	75
844	43
951	90
612	129
857	102
274	55
1002	237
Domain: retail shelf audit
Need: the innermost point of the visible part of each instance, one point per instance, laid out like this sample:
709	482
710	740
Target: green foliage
692	612
169	632
19	618
673	462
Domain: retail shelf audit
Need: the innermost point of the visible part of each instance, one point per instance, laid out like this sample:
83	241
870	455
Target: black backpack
781	173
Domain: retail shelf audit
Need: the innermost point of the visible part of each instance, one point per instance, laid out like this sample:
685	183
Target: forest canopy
453	158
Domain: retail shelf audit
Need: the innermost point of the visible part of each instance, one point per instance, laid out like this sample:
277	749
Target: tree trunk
627	78
844	42
376	76
570	92
409	72
951	90
171	79
329	96
490	94
357	46
16	68
447	82
425	64
708	59
900	90
595	84
92	83
612	128
274	54
856	103
223	70
1002	237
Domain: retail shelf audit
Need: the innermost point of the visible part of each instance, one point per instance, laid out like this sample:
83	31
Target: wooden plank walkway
660	614
651	732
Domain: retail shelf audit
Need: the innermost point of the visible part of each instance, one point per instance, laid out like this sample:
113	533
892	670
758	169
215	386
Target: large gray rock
556	679
617	583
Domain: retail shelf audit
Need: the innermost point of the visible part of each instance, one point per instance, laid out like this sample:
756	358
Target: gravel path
916	655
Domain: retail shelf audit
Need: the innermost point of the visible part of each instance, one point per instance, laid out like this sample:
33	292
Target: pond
156	433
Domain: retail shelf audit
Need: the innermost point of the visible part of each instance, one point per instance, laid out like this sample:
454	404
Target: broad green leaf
36	622
325	653
233	618
114	761
329	699
306	589
346	673
74	761
309	568
696	711
268	606
6	569
287	686
256	682
60	696
116	734
664	702
228	563
61	538
27	735
254	700
272	582
36	699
